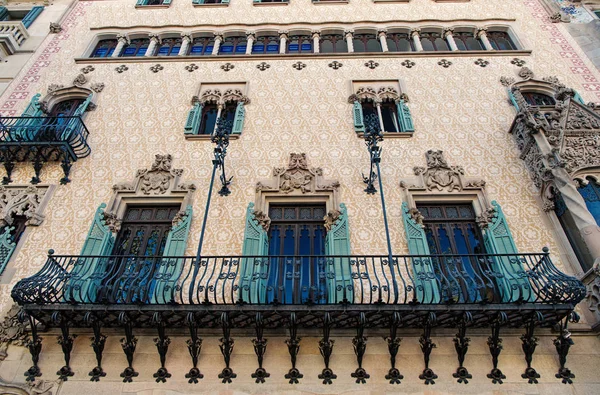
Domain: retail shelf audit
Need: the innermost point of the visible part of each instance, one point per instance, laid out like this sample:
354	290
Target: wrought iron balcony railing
300	280
40	140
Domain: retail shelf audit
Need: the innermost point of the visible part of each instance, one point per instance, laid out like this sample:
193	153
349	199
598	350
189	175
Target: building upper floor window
170	47
300	44
333	43
25	16
136	47
538	99
432	41
466	41
382	108
202	46
141	3
271	1
233	45
104	48
501	41
399	42
366	43
266	45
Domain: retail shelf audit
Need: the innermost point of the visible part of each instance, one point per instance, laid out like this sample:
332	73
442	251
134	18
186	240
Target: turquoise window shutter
32	15
88	272
3	13
337	242
33	108
513	100
498	239
166	2
25	128
238	120
359	124
168	274
197	1
140	2
224	1
7	247
427	287
192	124
254	271
404	117
74	123
578	98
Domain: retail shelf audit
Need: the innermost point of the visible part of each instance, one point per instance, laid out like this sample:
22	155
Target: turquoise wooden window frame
337	242
23	125
194	117
202	2
142	3
405	121
7	247
31	16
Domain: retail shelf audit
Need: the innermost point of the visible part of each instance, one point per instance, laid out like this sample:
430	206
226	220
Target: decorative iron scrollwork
393	342
162	345
530	342
65	340
495	344
194	344
360	346
326	348
562	343
128	343
34	345
461	344
260	346
427	345
98	341
293	344
226	347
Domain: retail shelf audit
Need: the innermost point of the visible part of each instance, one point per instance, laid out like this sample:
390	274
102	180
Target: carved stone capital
482	31
122	38
415	32
348	33
55	28
448	31
382	32
186	36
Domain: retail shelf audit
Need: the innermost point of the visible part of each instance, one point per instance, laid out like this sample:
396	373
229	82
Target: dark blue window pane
163	52
293	47
258	48
306	47
141	51
175	51
240	49
197	49
129	52
208	50
100	53
273	48
226	48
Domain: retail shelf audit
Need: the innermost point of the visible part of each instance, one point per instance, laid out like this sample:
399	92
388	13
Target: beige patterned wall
462	109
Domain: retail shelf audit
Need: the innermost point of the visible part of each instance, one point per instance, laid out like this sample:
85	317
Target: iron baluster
226	347
9	166
293	344
66	167
326	349
495	344
194	347
530	342
162	345
373	136
427	345
260	346
360	346
65	340
461	344
38	164
393	341
128	343
98	341
220	138
34	345
562	343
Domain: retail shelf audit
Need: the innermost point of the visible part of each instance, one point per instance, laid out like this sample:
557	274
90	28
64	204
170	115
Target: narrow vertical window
170	47
104	48
137	47
202	46
501	41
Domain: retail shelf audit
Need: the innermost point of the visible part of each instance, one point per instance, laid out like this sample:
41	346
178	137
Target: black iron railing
298	280
45	130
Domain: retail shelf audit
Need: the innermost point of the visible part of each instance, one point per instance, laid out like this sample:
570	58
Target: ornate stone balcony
12	35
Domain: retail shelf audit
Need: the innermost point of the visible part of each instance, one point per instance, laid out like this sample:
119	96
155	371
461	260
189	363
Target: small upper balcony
12	35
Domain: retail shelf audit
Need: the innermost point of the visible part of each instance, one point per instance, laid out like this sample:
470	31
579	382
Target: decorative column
283	36
186	39
218	41
316	36
154	40
414	33
250	41
378	106
383	40
482	35
448	33
349	34
121	42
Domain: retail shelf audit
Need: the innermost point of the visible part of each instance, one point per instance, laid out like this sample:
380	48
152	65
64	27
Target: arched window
65	108
104	48
137	47
399	42
466	41
300	44
591	195
569	226
366	43
333	43
202	46
170	47
433	42
538	99
234	45
501	41
208	119
389	115
266	45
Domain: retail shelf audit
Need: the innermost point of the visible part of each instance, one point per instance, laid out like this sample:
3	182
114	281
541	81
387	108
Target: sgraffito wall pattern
462	109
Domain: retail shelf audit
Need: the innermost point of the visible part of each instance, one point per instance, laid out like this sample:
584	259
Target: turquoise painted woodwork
337	242
192	124
578	98
24	128
166	2
427	285
3	14
498	240
202	2
404	117
32	15
357	112
145	2
7	247
168	274
513	100
73	123
238	120
98	244
254	271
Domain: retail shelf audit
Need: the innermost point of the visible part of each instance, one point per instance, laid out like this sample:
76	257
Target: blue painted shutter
359	124
168	273
338	271
513	280
254	271
404	117
31	15
238	120
88	273
26	128
7	247
192	124
3	13
513	100
427	287
578	98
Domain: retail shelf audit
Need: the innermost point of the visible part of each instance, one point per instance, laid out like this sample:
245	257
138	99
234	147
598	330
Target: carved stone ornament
221	98
262	219
507	81
80	80
53	88
97	87
55	28
38	387
593	291
367	93
331	218
27	201
297	177
12	331
526	73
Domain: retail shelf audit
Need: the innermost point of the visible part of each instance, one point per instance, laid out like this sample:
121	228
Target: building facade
317	196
